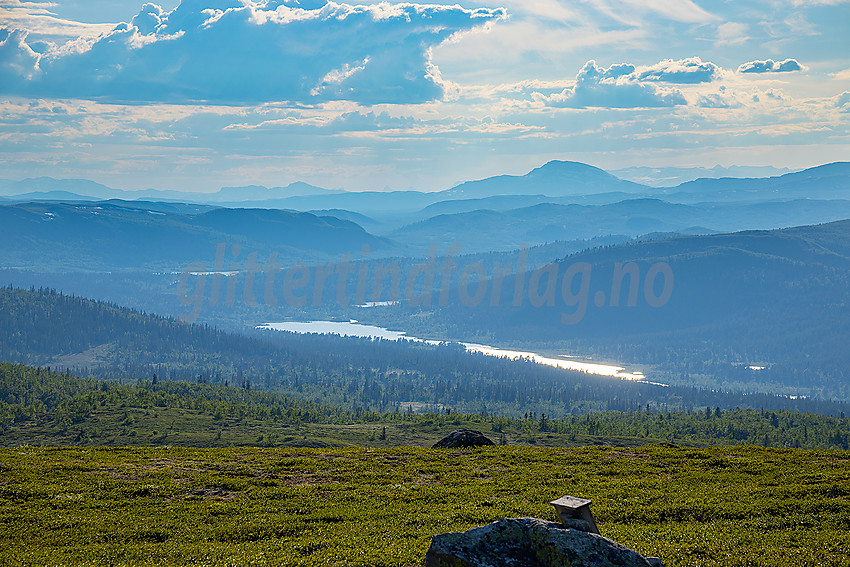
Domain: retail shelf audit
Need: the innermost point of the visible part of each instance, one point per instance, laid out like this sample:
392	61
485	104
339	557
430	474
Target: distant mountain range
562	182
559	201
260	193
672	176
49	189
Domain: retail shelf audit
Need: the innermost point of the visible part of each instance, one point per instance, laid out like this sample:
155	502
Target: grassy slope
178	427
47	408
173	506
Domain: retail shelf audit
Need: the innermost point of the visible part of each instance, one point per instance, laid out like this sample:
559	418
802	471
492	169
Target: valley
477	276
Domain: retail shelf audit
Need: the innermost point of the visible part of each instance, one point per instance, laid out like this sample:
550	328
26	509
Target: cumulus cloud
19	61
684	71
721	99
768	95
771	66
230	51
612	87
716	100
842	101
753	99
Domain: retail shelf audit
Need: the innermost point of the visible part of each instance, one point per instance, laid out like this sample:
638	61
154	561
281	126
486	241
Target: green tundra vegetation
730	506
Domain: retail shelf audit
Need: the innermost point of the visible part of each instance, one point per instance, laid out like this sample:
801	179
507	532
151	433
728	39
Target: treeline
30	397
355	373
710	426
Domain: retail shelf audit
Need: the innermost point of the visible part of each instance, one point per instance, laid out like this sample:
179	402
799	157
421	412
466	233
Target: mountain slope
108	235
82	187
480	230
777	299
829	181
260	193
555	179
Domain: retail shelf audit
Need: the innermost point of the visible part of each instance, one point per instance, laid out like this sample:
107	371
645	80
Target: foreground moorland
259	506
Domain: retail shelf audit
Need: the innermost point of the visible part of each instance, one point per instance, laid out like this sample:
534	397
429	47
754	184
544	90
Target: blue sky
199	94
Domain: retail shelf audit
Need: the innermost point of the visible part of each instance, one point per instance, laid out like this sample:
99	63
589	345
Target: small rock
463	438
530	542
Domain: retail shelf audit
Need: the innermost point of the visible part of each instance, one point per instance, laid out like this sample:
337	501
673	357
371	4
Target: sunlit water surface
354	329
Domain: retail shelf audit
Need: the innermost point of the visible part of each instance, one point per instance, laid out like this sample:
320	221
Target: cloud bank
771	66
232	52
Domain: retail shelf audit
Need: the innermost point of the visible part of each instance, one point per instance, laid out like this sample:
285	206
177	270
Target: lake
354	329
346	329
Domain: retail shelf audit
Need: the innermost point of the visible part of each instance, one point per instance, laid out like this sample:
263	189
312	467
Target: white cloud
684	11
545	10
683	71
732	33
818	2
19	61
841	75
771	66
37	19
611	88
237	52
749	99
717	100
720	99
842	101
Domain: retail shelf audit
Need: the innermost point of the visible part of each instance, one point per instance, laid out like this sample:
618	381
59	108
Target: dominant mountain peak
554	179
561	164
570	168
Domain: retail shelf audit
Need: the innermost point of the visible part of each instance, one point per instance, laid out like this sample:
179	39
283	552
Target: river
354	329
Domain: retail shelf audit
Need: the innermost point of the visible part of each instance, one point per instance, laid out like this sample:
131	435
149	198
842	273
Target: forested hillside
120	235
43	327
767	310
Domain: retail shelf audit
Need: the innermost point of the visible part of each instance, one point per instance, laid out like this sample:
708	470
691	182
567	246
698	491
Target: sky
194	95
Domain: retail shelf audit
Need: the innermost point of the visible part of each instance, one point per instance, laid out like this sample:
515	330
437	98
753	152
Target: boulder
463	438
530	542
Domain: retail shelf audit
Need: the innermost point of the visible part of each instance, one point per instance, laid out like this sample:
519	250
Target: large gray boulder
463	438
530	542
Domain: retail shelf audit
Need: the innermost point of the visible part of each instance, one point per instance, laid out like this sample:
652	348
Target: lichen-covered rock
463	438
530	542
